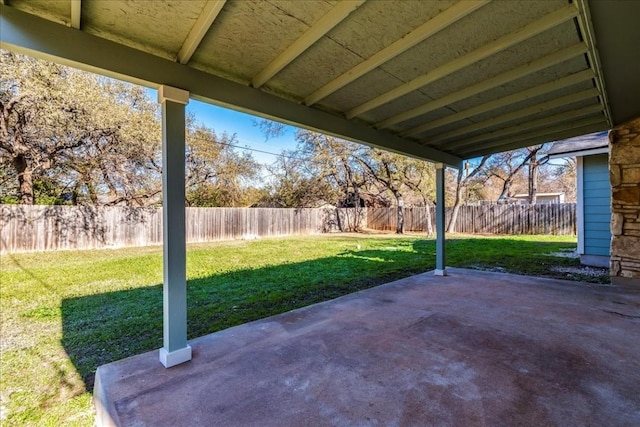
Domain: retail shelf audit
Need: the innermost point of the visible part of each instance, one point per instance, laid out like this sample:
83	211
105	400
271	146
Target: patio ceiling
443	81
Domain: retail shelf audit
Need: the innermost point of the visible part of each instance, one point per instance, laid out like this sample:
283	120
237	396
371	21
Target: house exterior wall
596	199
624	169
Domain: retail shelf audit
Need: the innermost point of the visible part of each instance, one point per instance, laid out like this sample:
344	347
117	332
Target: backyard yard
66	313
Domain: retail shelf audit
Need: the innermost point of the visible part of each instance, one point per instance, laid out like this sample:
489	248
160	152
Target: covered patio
472	349
442	81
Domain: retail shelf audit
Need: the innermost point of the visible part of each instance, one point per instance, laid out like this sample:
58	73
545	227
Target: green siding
597	204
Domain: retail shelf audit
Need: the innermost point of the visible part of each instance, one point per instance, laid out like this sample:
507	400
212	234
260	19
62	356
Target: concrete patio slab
470	349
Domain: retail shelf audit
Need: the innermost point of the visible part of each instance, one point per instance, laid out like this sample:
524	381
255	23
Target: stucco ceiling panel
527	51
411	100
307	11
520	121
465	78
425	137
545	76
534	101
553	111
54	10
159	28
495	113
308	72
485	25
431	53
369	30
247	35
434	115
406	67
374	26
549	74
360	91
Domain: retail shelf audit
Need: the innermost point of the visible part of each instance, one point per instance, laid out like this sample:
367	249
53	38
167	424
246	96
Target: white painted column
580	204
175	349
440	222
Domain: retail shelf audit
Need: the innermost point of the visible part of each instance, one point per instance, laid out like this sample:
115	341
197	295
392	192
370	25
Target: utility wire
286	156
259	151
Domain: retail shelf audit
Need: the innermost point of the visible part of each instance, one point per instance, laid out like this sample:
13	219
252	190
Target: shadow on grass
102	328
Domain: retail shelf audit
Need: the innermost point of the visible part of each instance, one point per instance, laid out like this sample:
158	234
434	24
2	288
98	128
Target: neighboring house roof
524	195
593	143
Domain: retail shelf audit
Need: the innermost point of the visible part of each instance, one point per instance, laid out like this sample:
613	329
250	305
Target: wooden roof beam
549	21
580	127
76	12
424	31
28	34
495	81
504	101
332	18
443	138
199	30
527	126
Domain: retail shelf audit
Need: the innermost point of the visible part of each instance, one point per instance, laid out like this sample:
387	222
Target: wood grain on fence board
40	228
486	219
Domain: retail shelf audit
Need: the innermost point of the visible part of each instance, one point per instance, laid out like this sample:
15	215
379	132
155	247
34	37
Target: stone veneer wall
624	170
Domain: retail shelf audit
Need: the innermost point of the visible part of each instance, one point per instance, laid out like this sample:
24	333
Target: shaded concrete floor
471	349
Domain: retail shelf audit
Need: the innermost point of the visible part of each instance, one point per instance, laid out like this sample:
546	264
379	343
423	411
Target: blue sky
243	125
247	133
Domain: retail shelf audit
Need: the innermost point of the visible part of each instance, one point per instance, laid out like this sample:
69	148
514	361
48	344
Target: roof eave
26	33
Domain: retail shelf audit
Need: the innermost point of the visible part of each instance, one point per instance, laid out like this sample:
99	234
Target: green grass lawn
65	313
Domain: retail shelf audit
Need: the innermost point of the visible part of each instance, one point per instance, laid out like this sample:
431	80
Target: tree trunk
429	219
339	220
93	195
533	180
400	222
456	206
506	189
358	211
25	180
461	184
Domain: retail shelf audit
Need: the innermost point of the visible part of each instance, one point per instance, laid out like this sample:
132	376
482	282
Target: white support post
580	204
440	222
175	349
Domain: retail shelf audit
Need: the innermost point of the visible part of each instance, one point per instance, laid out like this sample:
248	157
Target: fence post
42	228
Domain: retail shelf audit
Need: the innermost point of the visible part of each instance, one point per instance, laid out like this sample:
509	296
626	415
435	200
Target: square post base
169	359
438	272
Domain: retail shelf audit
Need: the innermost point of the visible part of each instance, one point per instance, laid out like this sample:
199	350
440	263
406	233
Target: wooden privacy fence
489	219
40	228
